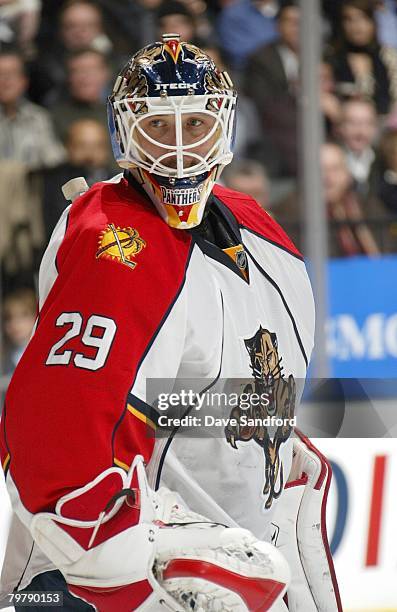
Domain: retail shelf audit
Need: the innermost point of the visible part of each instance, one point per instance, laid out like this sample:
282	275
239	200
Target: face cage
127	124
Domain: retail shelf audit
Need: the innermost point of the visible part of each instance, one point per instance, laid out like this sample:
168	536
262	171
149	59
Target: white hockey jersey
129	305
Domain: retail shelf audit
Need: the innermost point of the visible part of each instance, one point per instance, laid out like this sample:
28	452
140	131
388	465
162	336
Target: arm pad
122	546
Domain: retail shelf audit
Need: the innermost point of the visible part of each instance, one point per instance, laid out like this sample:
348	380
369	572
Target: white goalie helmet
171	119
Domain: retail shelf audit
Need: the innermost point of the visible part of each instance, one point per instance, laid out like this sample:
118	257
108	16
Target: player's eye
157	123
195	122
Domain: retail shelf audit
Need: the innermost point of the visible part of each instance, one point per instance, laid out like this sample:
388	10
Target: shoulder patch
120	244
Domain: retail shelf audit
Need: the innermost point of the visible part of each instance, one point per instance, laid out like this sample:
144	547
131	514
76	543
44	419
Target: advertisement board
362	324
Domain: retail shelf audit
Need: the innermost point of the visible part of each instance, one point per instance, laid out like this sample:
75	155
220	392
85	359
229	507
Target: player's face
195	128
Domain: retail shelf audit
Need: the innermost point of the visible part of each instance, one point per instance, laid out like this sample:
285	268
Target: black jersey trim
236	226
25	568
132	181
146	409
228	213
284	301
216	253
229	217
4	420
212	383
151	341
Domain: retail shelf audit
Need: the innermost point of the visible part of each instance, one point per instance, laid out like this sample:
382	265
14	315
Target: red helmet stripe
174	48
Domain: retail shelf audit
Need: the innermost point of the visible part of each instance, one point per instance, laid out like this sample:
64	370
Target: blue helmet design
172	83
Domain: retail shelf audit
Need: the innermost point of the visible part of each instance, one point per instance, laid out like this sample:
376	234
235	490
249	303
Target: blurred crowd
58	61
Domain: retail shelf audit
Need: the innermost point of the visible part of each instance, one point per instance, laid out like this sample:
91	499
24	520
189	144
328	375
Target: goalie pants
50	582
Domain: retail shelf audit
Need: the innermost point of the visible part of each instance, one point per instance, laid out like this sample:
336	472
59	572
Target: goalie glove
300	532
120	546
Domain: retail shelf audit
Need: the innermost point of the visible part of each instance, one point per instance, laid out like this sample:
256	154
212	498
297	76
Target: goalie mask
171	120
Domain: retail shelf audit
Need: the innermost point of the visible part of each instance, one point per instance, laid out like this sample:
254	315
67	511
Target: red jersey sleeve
68	413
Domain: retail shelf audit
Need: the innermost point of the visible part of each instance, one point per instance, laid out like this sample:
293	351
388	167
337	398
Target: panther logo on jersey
269	381
120	244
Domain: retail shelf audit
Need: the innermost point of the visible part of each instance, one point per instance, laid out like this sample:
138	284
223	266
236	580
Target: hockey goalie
161	273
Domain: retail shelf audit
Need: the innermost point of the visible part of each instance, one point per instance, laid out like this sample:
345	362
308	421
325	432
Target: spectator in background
19	22
329	102
81	26
19	315
88	155
185	17
363	67
88	80
385	14
21	229
26	131
356	226
358	131
174	16
119	23
148	21
350	235
248	176
387	182
272	81
122	24
245	25
49	20
204	20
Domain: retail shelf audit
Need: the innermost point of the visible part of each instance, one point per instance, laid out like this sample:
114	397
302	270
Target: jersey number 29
102	343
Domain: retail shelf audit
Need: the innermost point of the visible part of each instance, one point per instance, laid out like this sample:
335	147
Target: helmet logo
160	86
181	197
173	47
